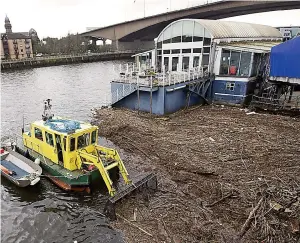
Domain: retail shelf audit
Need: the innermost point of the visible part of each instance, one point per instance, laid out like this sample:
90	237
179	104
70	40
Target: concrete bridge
139	34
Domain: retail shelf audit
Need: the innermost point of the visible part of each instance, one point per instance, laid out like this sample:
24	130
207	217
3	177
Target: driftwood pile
224	176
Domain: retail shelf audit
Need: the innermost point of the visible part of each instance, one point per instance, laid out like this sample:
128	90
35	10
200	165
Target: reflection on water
45	213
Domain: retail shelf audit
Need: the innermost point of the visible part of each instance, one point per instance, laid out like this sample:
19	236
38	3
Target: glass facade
245	64
186	44
224	68
183	45
235	63
185	63
175	61
196	61
166	63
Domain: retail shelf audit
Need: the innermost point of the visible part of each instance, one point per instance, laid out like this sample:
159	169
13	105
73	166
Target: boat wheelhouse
59	139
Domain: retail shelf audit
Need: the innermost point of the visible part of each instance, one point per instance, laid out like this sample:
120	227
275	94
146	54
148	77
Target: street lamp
144	7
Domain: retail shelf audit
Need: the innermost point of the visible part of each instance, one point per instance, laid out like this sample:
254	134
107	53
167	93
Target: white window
230	86
187	31
167	35
235	63
176	32
198	32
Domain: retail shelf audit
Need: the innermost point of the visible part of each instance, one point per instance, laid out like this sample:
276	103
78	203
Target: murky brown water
44	213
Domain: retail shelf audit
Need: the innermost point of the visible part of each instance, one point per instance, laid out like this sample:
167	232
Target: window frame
229	62
75	143
174	67
206	50
93	132
175	51
202	60
198	61
37	128
185	63
187	38
197	50
186	51
86	142
248	57
65	143
230	86
52	145
206	41
197	38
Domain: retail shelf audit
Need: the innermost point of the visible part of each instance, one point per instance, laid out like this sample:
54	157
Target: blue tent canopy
285	59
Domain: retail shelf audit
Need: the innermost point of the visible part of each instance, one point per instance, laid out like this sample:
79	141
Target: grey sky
57	18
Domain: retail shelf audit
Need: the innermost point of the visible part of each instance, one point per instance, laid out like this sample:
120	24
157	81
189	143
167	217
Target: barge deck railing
130	73
135	77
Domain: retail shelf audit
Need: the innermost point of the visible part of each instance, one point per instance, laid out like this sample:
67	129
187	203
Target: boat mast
47	110
23	127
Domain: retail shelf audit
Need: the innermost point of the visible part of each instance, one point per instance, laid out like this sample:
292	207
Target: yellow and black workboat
70	156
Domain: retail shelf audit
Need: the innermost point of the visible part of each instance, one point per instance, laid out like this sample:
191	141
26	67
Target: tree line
71	44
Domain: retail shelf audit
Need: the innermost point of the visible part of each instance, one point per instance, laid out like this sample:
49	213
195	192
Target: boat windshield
83	141
94	137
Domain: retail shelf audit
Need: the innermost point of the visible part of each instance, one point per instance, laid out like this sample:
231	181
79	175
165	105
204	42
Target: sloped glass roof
218	29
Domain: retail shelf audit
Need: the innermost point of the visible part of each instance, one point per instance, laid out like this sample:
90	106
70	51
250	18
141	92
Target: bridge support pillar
94	41
115	44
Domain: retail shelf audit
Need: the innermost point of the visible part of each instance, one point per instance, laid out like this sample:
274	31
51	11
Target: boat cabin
59	140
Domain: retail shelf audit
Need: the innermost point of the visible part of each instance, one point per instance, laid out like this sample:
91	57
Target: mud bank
224	176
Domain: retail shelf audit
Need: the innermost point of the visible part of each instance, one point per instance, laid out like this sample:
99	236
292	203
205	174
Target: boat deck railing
146	76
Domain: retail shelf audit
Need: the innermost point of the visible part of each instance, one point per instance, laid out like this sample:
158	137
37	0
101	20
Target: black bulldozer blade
148	182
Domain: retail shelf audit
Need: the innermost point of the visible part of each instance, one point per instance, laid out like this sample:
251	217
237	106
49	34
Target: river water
45	213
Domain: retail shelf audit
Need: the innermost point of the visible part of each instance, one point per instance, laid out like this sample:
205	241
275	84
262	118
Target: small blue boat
18	169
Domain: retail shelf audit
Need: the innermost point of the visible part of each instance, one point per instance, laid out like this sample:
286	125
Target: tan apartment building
15	45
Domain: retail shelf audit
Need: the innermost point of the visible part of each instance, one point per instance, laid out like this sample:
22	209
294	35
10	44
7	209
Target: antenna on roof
23	127
47	110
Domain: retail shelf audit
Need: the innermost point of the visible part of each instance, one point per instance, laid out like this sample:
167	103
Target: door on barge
59	149
49	147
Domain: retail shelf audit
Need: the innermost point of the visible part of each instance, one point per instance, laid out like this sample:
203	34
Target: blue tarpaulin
285	59
62	125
